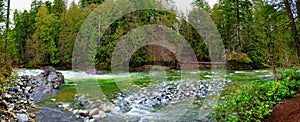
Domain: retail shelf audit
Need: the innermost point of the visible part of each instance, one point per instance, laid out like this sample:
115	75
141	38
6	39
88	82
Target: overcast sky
25	4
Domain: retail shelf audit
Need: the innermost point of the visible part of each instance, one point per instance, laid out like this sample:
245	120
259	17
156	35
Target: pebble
53	100
23	111
65	106
105	108
94	111
4	103
32	115
83	112
7	96
92	120
75	111
102	114
10	110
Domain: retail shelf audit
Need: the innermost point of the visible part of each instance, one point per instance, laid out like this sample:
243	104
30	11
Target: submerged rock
93	72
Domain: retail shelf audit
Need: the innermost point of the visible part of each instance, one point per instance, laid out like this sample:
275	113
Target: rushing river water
136	83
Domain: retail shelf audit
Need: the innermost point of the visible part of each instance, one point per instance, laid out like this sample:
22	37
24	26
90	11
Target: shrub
5	73
255	102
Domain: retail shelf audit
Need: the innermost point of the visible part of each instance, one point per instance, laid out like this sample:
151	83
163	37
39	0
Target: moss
238	61
239	57
67	94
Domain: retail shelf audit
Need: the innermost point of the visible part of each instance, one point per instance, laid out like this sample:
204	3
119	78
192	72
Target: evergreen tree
42	46
71	24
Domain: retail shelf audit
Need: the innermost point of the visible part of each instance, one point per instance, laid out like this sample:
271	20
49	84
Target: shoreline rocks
167	93
25	91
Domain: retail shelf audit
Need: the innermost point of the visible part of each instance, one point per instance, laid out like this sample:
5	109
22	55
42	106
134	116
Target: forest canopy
256	34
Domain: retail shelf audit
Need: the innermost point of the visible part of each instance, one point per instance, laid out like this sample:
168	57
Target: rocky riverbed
19	103
148	99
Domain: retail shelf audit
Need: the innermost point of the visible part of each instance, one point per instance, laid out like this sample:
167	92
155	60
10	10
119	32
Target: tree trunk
7	28
298	9
272	51
238	26
293	25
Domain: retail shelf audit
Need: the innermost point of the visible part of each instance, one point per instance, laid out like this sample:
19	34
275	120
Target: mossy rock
238	61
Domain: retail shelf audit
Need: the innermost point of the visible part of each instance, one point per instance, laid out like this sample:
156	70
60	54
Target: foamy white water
68	74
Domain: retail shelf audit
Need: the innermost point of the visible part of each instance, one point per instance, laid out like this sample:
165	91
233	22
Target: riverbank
24	92
288	111
255	102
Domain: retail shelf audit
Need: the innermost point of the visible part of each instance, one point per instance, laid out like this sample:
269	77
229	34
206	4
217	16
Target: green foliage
239	57
85	3
58	8
71	22
4	77
43	46
255	102
45	34
6	74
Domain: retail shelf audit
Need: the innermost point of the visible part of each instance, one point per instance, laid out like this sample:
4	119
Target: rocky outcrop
238	61
49	82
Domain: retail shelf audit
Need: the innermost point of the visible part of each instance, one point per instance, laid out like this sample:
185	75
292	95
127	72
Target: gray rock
75	111
23	117
94	111
27	89
97	117
50	82
100	115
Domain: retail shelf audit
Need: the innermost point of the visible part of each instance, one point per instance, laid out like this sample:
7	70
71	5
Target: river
132	85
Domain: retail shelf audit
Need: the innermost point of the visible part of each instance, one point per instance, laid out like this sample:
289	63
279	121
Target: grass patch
67	94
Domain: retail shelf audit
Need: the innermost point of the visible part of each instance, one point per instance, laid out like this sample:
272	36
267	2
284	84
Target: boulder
50	82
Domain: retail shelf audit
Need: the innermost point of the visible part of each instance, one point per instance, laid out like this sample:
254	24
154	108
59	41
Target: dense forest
257	33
